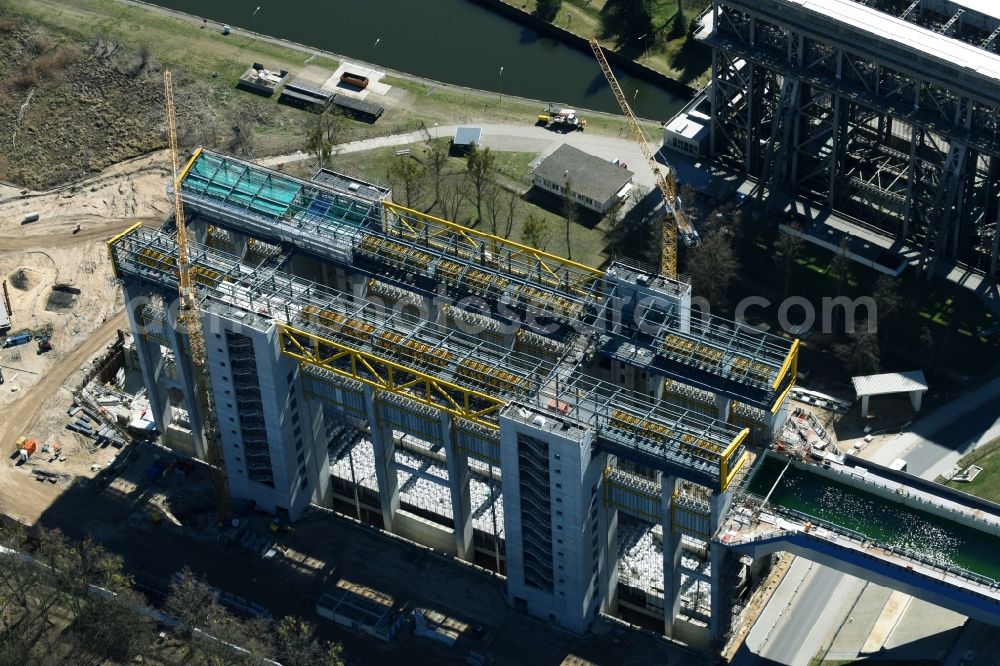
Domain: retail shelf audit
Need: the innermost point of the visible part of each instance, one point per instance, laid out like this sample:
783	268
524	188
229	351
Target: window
295	418
291	377
297	432
302	458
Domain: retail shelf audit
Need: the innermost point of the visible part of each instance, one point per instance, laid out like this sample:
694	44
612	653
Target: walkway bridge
884	526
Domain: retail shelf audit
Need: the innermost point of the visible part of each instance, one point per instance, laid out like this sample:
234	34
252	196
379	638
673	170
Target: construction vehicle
561	120
190	322
674	222
77	228
44	344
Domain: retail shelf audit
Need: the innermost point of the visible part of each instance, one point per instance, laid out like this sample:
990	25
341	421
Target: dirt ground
34	258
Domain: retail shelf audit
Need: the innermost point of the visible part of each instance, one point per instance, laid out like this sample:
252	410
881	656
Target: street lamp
253	20
501	83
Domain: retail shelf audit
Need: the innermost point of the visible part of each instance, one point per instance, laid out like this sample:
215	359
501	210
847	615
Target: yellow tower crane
674	218
190	323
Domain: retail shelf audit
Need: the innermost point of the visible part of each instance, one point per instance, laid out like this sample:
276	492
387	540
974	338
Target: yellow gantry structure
413	359
386	375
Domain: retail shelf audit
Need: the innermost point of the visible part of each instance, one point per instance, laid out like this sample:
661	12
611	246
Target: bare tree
789	245
494	200
613	228
453	195
510	212
840	267
437	166
296	645
888	301
860	354
480	173
713	266
409	180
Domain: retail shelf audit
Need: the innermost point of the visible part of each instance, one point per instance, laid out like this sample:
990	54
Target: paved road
509	138
934	443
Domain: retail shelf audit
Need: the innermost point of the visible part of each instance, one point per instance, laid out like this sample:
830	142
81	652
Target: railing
863	540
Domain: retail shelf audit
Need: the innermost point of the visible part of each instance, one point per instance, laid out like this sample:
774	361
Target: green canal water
882	520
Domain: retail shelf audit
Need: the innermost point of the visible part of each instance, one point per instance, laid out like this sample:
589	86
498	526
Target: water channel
454	41
884	521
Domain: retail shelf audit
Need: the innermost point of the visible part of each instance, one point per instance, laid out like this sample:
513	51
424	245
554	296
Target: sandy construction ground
33	259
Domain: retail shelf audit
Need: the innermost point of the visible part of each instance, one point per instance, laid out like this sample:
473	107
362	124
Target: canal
886	522
454	41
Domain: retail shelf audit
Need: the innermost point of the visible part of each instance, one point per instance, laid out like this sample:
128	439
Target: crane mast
190	321
674	217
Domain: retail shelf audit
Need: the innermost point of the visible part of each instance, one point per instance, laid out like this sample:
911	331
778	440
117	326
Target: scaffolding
438	367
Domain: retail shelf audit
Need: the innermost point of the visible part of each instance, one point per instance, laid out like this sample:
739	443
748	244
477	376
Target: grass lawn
987	483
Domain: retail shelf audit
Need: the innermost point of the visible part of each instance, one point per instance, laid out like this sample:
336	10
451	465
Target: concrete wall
578	549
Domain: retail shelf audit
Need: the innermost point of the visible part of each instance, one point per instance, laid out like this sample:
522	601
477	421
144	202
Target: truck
561	120
15	340
29	218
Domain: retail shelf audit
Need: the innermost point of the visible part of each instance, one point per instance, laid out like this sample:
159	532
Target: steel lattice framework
887	111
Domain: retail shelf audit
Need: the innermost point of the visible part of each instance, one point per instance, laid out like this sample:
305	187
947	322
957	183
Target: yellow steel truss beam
728	468
385	375
474	237
187	167
111	246
791	365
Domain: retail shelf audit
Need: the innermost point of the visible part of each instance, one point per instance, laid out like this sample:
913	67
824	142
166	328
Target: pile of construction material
425	487
85	421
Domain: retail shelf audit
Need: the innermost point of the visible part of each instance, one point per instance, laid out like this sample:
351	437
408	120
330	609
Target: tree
927	347
296	645
887	302
535	232
713	266
571	213
114	628
324	133
510	212
613	229
454	192
840	267
680	25
192	601
860	354
409	181
480	171
502	207
627	20
437	165
547	10
789	246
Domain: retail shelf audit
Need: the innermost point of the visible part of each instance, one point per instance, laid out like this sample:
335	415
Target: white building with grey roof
595	183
